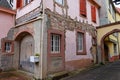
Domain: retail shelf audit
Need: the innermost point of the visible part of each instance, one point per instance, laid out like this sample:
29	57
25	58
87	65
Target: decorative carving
60	22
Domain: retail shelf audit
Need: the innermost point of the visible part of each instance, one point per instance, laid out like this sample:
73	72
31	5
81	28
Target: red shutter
19	3
83	7
93	13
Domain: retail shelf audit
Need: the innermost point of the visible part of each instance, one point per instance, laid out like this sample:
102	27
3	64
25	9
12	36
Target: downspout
41	39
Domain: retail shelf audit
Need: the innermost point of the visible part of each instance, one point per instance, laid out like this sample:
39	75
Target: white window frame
25	2
8	46
55	43
60	2
80	42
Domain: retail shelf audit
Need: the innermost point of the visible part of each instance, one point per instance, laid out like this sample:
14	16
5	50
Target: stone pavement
106	72
13	76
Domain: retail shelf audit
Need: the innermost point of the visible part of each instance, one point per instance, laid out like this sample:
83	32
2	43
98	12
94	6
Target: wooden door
26	50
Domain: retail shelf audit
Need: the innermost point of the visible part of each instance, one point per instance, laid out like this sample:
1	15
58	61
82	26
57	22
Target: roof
5	4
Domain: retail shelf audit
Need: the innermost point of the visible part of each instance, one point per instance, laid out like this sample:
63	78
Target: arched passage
106	49
102	33
25	48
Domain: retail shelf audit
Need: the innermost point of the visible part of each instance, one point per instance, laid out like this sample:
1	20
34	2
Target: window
26	2
93	13
21	3
55	43
83	8
7	46
11	3
80	43
60	1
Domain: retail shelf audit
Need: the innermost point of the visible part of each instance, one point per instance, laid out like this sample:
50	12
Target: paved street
13	76
106	72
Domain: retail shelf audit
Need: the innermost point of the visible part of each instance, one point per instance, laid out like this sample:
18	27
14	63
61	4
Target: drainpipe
41	39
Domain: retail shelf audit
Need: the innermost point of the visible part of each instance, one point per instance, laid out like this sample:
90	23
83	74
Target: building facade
62	37
7	21
109	14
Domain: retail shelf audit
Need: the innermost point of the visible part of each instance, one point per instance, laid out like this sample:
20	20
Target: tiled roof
118	10
4	3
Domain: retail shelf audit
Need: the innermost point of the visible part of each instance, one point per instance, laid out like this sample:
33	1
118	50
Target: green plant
37	54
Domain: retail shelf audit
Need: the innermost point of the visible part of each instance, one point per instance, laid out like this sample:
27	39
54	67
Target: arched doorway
26	49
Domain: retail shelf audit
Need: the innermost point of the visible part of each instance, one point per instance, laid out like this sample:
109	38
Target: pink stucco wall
6	22
73	11
26	9
70	40
70	52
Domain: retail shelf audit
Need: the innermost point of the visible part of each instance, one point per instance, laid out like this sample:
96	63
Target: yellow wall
110	17
102	31
112	37
109	13
117	17
111	49
119	41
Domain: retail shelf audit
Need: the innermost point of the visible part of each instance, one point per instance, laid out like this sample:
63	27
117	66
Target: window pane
80	41
55	43
7	47
59	1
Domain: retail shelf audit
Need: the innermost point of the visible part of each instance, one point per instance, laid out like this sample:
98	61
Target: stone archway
102	33
25	44
102	43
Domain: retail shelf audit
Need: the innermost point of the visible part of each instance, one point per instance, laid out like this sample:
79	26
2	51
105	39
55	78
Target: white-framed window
80	41
55	43
8	46
60	2
26	2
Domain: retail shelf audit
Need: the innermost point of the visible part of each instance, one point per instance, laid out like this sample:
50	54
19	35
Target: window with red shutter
19	3
83	7
93	13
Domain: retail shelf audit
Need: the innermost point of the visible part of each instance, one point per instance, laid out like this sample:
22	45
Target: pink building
7	21
61	32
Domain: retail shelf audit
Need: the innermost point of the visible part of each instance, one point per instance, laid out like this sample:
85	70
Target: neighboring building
63	36
107	12
12	3
117	14
108	41
111	47
7	21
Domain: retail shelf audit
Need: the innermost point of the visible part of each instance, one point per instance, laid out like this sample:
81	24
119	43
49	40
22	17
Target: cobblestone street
107	72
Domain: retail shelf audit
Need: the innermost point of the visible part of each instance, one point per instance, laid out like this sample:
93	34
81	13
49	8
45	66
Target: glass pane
80	41
55	43
59	1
